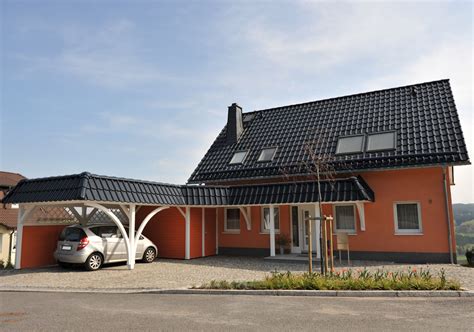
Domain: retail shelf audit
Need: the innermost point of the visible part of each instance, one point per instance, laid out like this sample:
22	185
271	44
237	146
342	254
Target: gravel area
464	274
167	273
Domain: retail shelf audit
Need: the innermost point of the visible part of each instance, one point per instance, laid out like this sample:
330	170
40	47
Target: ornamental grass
345	280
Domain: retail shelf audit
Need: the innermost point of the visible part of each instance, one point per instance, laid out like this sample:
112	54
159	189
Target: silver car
98	244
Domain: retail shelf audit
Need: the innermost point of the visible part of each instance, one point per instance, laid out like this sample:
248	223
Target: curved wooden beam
246	217
116	222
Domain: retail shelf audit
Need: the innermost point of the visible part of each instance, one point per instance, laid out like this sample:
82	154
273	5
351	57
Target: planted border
344	280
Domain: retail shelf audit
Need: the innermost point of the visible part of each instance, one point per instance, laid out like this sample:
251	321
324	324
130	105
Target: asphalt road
118	312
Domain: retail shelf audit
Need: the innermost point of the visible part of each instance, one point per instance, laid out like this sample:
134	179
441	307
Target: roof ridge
279	108
54	177
364	187
84	184
135	180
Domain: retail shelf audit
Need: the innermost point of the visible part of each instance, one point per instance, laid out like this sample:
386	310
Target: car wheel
149	255
94	261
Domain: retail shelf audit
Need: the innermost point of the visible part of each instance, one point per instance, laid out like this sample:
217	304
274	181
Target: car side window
95	230
108	232
118	234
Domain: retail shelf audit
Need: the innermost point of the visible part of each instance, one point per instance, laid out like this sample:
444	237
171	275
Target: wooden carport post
131	236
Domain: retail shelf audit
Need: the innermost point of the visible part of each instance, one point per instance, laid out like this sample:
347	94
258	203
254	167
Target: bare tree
318	165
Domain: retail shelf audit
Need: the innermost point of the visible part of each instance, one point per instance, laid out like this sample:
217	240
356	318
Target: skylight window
382	141
238	157
267	154
352	144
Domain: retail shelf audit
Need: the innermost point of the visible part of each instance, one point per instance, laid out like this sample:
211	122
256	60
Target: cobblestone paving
167	273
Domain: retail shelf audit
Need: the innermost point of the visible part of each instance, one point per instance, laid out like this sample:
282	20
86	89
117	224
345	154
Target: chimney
235	125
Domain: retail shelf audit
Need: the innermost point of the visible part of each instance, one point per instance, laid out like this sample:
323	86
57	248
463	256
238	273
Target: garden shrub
345	280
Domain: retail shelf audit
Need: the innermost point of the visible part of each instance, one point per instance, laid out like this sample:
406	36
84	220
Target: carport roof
99	188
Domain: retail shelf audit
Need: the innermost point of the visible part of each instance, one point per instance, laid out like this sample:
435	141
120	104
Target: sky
140	89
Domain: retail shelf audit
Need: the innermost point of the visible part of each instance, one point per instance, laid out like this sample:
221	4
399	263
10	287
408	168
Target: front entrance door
299	229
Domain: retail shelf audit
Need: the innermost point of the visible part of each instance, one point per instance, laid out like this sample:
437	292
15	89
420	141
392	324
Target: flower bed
344	280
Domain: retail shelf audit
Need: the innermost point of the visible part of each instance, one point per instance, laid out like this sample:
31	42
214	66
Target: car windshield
73	234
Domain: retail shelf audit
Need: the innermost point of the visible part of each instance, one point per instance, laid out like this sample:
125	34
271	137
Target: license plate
66	247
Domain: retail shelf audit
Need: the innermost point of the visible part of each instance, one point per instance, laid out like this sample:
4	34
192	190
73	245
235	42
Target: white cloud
108	56
329	34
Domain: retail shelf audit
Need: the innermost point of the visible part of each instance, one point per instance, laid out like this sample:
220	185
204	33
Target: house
386	161
8	218
402	142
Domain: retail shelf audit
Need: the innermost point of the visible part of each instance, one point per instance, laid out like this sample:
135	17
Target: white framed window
350	144
238	157
381	141
345	220
232	220
265	224
407	216
267	154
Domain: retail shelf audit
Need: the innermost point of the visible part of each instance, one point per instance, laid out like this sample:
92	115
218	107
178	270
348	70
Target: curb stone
182	291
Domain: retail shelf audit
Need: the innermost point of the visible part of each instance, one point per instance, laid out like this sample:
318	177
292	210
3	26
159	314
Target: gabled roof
423	116
9	179
8	216
106	189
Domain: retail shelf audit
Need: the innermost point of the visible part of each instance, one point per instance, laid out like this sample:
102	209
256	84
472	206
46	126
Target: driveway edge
316	293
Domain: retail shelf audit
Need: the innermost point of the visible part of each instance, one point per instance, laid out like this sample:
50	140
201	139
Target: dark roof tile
109	189
426	123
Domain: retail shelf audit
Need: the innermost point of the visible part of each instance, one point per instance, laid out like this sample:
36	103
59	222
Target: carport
47	205
55	202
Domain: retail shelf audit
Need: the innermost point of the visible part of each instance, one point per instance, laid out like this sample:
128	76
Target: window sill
231	232
345	232
408	233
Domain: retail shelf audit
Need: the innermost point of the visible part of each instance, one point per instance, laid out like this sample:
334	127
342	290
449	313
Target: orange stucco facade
167	230
422	185
39	244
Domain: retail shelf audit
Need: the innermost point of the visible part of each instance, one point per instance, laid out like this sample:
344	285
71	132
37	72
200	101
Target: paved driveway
166	273
150	312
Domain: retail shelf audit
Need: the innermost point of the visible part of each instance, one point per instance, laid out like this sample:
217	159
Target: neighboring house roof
8	179
8	216
423	117
90	187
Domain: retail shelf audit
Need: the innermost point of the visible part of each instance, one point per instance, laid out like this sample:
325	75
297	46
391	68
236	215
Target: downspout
448	216
10	247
